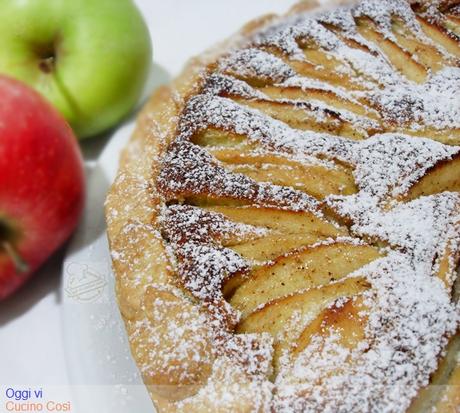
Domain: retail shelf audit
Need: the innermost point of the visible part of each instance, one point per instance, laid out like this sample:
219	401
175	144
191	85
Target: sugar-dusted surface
434	103
410	315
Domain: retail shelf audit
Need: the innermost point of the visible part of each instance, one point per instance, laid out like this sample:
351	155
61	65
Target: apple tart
284	225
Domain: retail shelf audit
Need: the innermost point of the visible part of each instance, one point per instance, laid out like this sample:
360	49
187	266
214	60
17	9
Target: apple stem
18	261
46	65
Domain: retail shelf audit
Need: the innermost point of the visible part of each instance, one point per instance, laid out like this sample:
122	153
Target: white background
31	344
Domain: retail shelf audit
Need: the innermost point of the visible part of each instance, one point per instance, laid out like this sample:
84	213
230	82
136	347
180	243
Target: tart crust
196	353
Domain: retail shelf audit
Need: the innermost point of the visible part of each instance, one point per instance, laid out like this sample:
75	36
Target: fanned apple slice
427	54
446	136
452	24
359	78
283	221
399	58
314	70
274	316
305	268
213	137
444	176
273	245
350	41
289	230
442	395
450	395
440	36
310	180
306	118
326	96
205	201
318	180
331	77
322	58
449	399
347	319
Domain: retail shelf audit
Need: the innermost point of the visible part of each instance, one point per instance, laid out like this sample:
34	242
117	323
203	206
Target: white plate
103	375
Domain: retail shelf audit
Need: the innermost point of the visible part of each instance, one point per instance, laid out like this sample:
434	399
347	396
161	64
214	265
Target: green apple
90	58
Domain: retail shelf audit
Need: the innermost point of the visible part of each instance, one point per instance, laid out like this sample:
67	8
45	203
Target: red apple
41	182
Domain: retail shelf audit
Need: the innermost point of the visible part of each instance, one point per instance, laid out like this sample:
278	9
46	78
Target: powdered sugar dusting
189	170
409	310
409	318
225	114
255	63
435	103
388	164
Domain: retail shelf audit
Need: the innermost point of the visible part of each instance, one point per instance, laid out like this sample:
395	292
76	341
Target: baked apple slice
306	268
